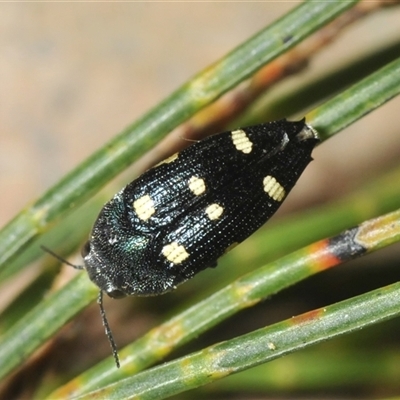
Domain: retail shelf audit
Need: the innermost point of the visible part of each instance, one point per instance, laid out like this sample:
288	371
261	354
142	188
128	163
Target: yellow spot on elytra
273	188
144	207
197	185
241	141
168	160
214	211
175	253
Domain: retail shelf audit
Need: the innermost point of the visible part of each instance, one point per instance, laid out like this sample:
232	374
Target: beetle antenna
104	319
109	334
59	258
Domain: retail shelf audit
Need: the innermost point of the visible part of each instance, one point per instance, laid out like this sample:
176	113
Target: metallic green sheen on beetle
180	216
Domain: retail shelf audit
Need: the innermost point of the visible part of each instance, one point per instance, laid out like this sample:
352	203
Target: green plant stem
41	322
106	163
263	345
357	101
244	292
328	367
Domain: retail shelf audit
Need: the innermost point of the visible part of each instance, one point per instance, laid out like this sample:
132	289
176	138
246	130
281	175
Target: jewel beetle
180	216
